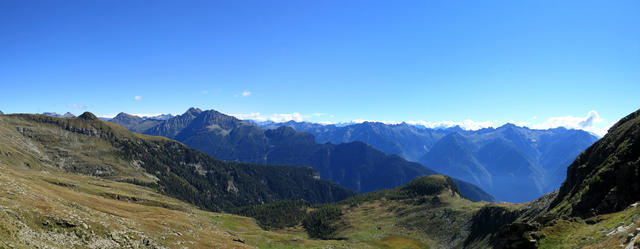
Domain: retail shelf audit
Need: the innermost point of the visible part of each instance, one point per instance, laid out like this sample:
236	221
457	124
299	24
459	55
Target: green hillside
89	146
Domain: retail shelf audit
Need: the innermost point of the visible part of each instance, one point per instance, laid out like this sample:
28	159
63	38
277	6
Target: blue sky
528	62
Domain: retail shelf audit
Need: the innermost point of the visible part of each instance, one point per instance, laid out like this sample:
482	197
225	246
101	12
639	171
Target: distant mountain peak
124	115
509	125
88	116
160	117
193	111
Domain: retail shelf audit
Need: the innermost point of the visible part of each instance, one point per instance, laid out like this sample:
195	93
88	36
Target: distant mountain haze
354	165
57	115
515	164
135	123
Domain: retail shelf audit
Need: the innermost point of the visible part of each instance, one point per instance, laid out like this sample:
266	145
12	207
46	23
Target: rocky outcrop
518	236
487	222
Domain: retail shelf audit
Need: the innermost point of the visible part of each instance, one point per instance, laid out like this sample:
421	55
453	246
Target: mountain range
57	115
82	182
87	145
353	165
135	123
514	164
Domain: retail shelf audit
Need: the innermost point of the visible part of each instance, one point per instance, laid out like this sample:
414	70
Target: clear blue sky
378	60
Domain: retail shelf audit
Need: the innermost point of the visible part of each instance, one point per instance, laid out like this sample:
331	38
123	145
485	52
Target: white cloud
148	115
77	106
246	93
205	92
107	115
277	117
389	122
588	123
249	116
326	122
282	117
466	124
136	98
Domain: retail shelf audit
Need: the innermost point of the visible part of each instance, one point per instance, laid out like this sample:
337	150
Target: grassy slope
45	204
39	145
386	223
427	213
603	234
60	210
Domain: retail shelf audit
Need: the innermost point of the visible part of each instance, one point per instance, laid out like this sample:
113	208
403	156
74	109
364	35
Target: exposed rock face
518	236
488	221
